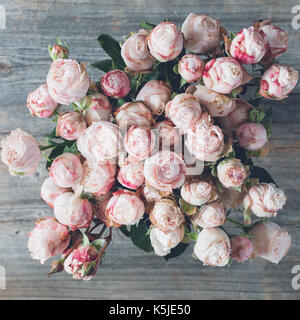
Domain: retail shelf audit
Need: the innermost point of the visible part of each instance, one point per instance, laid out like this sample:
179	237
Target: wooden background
126	271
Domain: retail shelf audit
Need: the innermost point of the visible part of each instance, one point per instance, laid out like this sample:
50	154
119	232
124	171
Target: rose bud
162	242
59	51
231	173
40	103
98	178
155	94
70	125
100	142
210	215
131	175
73	211
115	84
238	116
125	207
249	46
190	67
224	75
133	114
217	104
201	33
47	239
278	81
99	110
168	135
50	191
252	136
100	211
184	111
135	53
20	152
213	247
166	216
66	170
165	170
264	200
165	42
270	242
241	249
67	81
205	141
139	142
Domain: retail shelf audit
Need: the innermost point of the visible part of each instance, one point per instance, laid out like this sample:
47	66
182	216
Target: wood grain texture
126	271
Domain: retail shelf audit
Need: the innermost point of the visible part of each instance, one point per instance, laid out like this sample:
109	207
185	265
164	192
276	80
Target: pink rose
165	42
99	110
70	125
184	111
131	175
150	194
50	191
249	46
40	103
241	249
115	84
165	170
168	135
201	33
213	247
73	211
125	207
155	94
252	136
100	142
135	52
67	81
20	152
270	242
264	200
231	173
47	239
224	75
100	211
278	81
190	67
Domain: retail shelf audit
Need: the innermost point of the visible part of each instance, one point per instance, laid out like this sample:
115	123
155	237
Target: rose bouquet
160	147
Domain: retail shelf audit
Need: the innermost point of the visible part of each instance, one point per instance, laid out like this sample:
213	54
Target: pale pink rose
213	247
165	170
217	104
270	242
50	191
155	94
232	198
278	81
115	84
168	134
150	194
133	114
231	173
59	51
162	242
70	125
264	200
184	111
99	110
224	74
135	52
67	81
20	152
166	215
100	211
249	46
47	239
205	141
131	175
201	33
66	170
190	67
241	249
40	103
100	142
125	207
210	215
165	42
252	136
73	211
139	142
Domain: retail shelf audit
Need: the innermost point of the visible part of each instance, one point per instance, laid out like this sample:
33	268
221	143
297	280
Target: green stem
241	226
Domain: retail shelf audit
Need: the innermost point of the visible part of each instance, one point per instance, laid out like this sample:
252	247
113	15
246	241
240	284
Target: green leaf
193	235
98	244
177	251
175	69
103	65
71	149
125	231
139	236
261	174
85	240
231	35
147	25
187	208
182	83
